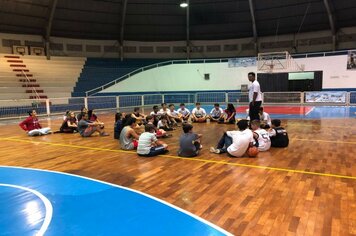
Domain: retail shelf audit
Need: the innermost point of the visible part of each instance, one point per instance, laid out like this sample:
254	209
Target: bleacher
53	78
99	71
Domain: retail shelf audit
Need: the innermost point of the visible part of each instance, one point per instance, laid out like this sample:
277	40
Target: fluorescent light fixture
183	4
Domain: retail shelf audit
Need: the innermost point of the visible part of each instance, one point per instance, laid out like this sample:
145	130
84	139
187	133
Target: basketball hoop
272	62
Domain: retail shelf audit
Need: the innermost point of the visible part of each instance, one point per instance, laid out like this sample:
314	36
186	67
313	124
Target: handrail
144	68
33	88
189	61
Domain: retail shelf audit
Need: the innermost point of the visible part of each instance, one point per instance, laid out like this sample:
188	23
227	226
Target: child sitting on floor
236	142
173	115
86	127
83	111
159	132
128	136
263	141
229	116
184	112
156	115
198	114
189	142
94	118
118	124
216	114
163	124
65	116
70	124
164	109
32	126
278	135
265	119
148	144
140	118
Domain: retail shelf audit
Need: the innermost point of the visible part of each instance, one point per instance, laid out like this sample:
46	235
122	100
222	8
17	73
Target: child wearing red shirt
32	126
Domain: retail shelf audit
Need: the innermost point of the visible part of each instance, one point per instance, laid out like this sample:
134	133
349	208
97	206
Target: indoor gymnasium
169	117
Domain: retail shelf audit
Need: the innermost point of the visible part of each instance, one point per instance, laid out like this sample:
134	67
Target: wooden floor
308	188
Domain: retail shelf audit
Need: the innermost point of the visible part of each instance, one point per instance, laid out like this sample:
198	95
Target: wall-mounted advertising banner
325	97
242	62
351	60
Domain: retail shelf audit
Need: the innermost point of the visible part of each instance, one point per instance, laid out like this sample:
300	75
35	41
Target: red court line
292	110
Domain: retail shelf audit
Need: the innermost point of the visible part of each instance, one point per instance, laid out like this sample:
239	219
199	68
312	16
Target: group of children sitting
262	134
137	131
85	123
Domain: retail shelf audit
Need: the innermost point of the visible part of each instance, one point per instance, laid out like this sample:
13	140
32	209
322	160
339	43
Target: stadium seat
99	71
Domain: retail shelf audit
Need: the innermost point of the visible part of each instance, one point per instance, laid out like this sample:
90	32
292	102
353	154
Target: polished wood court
308	188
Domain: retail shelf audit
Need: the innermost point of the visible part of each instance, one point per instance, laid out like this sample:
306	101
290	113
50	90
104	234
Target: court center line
190	159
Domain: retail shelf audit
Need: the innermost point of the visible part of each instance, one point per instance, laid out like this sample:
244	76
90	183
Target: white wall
335	74
190	77
185	77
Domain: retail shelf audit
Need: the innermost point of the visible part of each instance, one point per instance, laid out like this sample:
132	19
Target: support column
49	28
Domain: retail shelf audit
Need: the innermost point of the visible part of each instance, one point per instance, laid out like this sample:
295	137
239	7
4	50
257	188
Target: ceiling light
183	4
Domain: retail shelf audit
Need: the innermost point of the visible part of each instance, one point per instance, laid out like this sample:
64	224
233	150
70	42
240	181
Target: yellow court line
190	159
324	127
323	141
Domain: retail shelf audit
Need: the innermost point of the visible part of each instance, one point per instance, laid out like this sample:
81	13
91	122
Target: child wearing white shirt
184	112
235	143
198	114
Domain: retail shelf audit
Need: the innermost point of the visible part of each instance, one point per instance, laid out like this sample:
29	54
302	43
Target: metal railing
29	83
18	108
142	69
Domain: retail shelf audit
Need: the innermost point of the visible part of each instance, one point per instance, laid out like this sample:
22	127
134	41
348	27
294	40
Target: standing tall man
255	97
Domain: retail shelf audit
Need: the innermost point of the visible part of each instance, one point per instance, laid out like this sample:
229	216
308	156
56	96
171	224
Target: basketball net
272	62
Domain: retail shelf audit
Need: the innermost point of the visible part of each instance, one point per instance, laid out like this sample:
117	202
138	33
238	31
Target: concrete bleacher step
10	85
33	91
19	70
15	61
57	84
41	96
48	90
42	82
10	56
40	79
31	85
16	65
24	75
55	77
25	80
19	95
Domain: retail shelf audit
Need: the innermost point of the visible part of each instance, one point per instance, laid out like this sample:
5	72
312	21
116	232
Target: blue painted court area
36	202
317	112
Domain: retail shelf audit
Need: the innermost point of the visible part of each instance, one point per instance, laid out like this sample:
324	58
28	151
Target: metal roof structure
164	20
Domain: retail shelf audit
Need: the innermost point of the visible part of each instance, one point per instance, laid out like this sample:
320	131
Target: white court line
132	190
47	203
309	111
